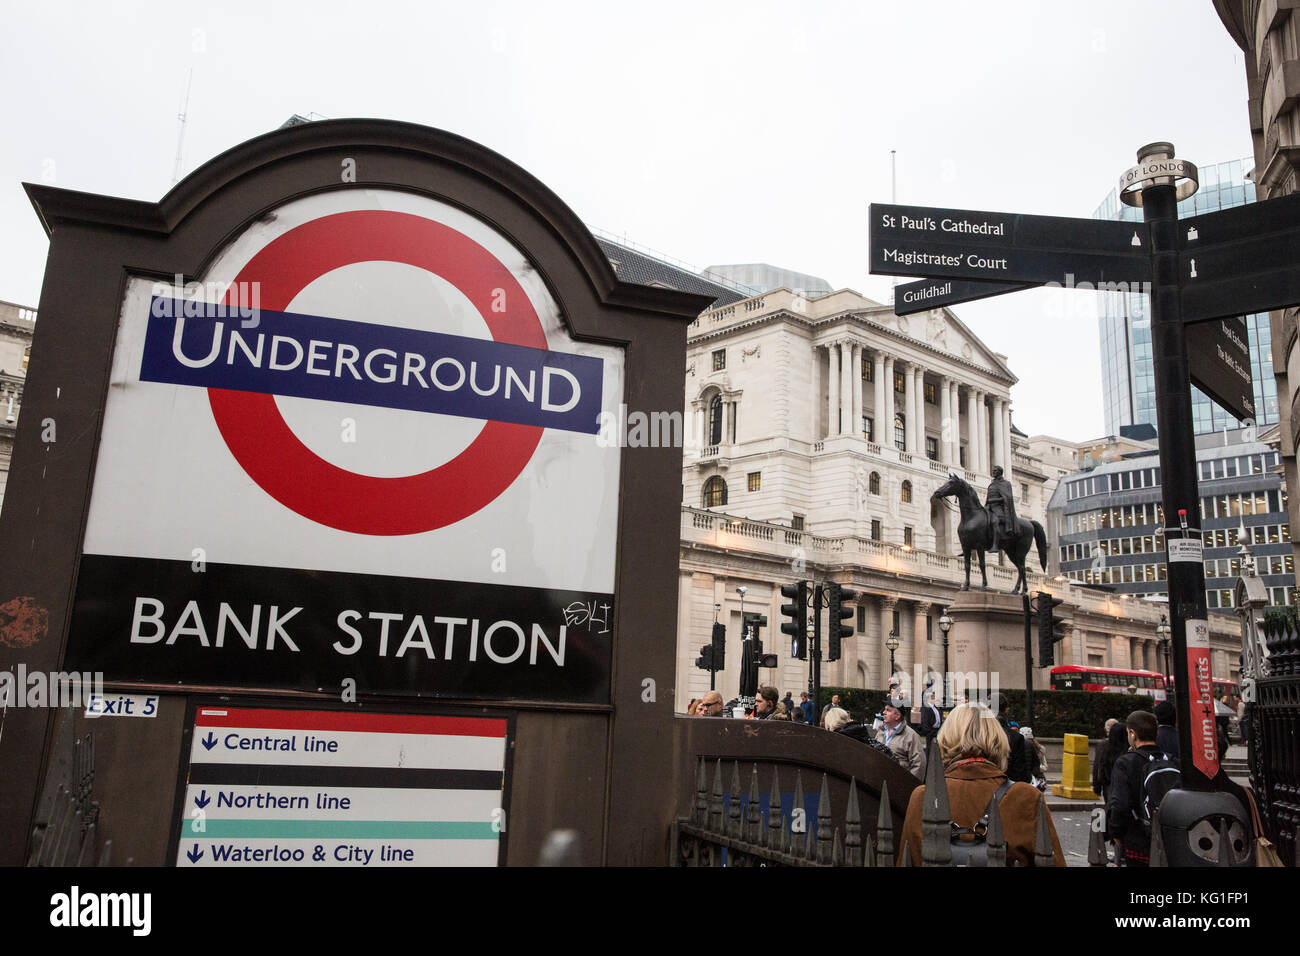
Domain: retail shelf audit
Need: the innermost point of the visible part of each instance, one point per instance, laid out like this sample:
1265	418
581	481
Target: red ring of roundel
290	472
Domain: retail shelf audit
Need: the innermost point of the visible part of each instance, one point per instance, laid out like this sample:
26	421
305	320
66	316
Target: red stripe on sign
357	723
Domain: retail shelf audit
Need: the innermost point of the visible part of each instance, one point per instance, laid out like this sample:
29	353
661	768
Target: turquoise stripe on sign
341	830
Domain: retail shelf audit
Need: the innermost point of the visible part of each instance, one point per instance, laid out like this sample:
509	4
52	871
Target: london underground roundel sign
362	381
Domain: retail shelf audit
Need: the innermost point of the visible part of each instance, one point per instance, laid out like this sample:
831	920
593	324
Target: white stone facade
786	407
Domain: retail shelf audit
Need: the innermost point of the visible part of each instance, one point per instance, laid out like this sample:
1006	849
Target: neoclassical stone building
818	429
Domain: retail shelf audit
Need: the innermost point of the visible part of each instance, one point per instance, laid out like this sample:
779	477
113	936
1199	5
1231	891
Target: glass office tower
1127	374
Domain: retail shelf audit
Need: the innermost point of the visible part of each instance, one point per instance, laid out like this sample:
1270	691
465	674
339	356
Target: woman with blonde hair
836	718
973	748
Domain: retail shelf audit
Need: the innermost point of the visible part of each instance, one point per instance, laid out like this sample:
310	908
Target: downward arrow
202	800
195	854
210	740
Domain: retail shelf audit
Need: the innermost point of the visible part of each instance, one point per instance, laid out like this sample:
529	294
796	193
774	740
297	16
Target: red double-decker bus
1108	680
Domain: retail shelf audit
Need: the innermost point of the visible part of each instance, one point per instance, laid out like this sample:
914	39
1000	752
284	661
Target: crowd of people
985	753
982	754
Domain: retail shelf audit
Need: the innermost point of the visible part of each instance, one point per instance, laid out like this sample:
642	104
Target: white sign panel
325	788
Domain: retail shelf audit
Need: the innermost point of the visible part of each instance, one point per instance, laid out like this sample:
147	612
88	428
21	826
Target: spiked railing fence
737	814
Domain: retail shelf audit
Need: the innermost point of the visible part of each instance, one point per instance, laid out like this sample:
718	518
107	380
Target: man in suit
931	718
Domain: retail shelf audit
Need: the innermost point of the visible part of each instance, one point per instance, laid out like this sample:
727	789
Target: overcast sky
715	132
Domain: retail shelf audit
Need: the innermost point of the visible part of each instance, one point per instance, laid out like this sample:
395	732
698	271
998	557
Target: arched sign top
284	164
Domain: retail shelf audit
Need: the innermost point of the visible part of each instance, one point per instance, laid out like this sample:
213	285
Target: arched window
715	492
715	420
900	431
907	492
875	483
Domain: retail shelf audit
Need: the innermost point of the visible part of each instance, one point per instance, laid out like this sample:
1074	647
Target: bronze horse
976	533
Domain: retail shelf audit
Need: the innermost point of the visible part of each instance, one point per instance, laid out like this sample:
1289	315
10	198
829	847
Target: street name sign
1006	247
924	294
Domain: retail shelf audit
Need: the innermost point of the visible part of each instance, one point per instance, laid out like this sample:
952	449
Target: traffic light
713	656
796	614
1049	628
838	596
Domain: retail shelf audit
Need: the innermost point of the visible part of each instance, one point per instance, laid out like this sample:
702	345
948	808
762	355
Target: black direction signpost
1005	247
1218	363
935	293
1217	266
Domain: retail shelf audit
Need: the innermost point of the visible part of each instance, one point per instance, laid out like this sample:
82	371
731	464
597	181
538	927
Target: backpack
969	844
1159	776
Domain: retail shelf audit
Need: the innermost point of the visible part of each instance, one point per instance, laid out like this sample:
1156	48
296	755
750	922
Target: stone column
997	445
1074	642
945	416
909	410
918	429
887	606
878	410
847	427
1006	431
917	655
972	431
887	428
986	443
833	391
855	384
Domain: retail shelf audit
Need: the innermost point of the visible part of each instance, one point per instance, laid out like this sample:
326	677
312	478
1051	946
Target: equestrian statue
995	527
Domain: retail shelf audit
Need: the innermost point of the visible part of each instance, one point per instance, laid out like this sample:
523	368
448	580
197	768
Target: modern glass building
1108	522
1128	378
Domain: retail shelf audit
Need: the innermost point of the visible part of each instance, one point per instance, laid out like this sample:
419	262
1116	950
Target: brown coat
970	787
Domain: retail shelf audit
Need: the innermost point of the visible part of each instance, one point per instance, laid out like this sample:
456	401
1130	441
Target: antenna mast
180	136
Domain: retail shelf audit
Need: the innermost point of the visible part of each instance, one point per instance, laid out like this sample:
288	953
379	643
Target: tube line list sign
329	788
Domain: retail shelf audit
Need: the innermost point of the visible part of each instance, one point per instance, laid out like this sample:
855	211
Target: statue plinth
988	638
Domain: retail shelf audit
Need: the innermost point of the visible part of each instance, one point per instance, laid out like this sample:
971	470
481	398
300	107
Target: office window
907	493
868	370
1024	492
715	492
719	360
796	523
868	428
862	619
755	480
962	458
900	432
932	448
874	483
929	394
875	529
907	536
899	378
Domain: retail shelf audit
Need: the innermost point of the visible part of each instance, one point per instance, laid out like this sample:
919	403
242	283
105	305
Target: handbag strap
1254	813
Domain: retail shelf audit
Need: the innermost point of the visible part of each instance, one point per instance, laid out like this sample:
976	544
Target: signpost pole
1186	573
1029	664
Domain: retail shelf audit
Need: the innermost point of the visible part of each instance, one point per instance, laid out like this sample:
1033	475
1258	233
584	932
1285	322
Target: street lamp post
945	623
1163	631
892	644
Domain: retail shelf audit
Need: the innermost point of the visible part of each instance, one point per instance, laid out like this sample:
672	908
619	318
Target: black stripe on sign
295	776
